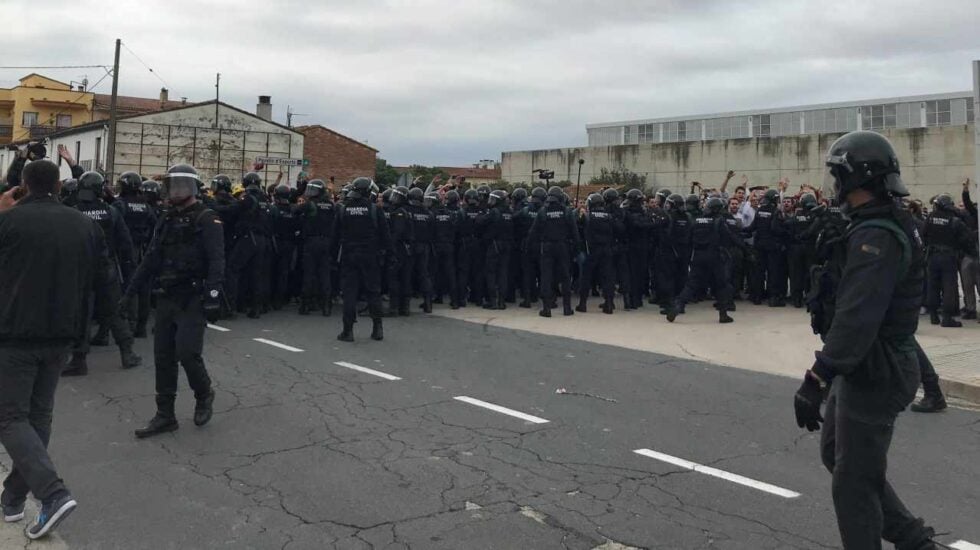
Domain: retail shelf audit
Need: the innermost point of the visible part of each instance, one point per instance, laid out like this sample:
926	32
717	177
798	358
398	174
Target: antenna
290	114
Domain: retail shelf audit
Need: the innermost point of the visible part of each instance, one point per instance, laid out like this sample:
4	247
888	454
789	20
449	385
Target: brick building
333	154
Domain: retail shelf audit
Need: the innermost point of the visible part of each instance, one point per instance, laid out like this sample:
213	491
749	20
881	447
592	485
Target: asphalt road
305	453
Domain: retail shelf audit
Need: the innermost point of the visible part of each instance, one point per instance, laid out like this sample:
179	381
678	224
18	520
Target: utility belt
940	249
177	285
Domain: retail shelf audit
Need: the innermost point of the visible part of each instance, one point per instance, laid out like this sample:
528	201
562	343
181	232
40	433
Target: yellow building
39	106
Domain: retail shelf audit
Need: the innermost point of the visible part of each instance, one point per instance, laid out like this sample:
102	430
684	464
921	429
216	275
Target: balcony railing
6	130
38	132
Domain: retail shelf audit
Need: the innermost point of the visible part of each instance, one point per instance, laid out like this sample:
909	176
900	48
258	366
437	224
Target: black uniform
250	253
444	253
360	238
800	257
423	224
398	265
620	249
316	224
770	250
530	253
673	254
599	229
710	236
523	218
287	227
946	237
469	257
185	264
638	228
555	228
497	224
140	219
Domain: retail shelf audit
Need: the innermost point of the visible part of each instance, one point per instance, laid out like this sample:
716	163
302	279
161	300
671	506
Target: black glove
807	403
212	304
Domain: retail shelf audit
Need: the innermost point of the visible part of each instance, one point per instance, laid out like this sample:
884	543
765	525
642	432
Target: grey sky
441	82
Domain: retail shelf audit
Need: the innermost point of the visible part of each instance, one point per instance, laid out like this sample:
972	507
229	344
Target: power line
147	66
55	67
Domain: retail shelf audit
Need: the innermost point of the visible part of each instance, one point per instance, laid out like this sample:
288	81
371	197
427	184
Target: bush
621	178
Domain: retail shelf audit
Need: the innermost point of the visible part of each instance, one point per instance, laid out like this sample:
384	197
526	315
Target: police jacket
316	218
598	225
400	225
444	226
638	226
523	218
288	223
254	216
767	228
140	218
619	227
946	233
497	224
712	233
555	223
870	340
187	253
797	228
677	233
360	226
118	241
466	227
422	222
530	212
51	259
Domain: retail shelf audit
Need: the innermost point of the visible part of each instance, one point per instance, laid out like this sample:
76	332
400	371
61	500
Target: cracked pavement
304	454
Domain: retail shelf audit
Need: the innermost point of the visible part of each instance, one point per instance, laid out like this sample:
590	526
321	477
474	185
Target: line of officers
489	248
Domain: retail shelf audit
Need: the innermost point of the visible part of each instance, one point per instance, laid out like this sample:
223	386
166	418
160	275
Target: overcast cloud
444	82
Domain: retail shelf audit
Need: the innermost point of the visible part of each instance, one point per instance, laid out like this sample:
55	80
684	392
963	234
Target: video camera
546	174
35	150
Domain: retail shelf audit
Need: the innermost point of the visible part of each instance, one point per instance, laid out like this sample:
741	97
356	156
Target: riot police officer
287	234
423	229
498	232
710	235
398	265
151	194
469	259
360	238
185	263
530	251
522	224
638	226
658	224
249	255
946	238
225	205
621	245
599	232
316	216
120	249
555	228
140	218
443	250
869	357
673	251
801	248
770	267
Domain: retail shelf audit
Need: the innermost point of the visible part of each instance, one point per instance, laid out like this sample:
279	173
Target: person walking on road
51	259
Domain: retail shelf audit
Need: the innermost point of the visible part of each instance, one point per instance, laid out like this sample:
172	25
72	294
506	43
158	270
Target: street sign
306	162
279	161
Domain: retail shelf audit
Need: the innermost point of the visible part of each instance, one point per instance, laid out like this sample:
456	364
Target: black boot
253	313
545	312
129	358
930	403
304	307
203	409
723	317
950	322
377	333
163	421
607	307
327	308
427	304
672	312
934	317
581	307
101	337
969	314
501	304
568	309
77	366
524	304
347	335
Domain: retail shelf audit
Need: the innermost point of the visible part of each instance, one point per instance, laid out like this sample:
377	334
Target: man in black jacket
52	257
554	227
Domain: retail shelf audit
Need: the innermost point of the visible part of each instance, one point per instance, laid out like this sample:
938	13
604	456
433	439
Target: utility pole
579	182
975	192
290	114
110	156
217	97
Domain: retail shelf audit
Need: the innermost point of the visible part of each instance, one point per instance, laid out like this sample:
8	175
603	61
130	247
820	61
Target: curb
961	390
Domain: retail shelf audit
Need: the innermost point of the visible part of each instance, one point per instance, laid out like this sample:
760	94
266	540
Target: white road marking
366	370
502	410
277	344
707	470
963	545
217	328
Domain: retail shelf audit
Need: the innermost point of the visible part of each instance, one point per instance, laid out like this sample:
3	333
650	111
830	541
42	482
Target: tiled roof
135	104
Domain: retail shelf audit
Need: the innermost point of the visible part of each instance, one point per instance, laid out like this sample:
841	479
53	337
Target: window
670	133
969	110
682	131
98	152
646	132
937	113
761	126
878	117
63	121
29	120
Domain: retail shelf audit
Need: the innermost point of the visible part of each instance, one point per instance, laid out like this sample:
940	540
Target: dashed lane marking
366	370
277	344
217	328
714	472
963	545
502	410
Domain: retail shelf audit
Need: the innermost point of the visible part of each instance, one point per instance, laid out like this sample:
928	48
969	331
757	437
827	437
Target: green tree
385	175
622	178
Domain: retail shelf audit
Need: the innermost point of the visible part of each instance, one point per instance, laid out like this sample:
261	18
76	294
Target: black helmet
282	193
471	197
662	196
315	189
692	203
943	202
498	197
221	182
399	195
252	179
69	191
519	195
483	191
610	195
90	186
150	190
432	199
770	198
865	160
386	196
452	198
416	196
594	200
180	183
555	192
129	182
538	194
714	206
634	196
360	188
675	202
808	202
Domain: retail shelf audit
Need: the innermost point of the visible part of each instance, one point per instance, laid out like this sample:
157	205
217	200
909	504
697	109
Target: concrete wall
933	160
